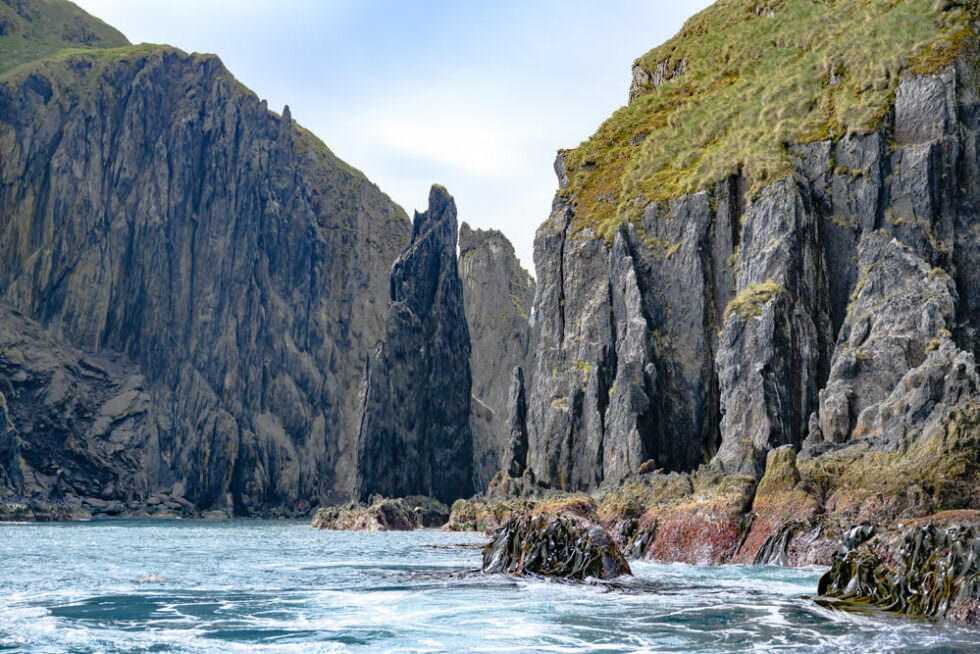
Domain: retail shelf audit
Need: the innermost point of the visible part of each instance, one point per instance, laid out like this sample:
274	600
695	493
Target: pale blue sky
477	96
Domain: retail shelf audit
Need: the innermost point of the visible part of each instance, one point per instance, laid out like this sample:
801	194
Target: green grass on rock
757	76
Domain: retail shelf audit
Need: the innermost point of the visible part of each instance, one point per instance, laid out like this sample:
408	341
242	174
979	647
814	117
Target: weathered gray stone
726	325
515	454
415	436
901	309
155	210
497	295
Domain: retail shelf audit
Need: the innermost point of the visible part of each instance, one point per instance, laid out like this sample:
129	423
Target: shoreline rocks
928	567
562	541
383	514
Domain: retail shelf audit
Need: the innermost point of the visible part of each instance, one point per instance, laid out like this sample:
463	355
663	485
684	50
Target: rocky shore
383	514
156	507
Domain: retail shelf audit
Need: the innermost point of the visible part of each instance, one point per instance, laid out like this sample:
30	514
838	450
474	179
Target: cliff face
415	436
497	294
73	424
156	213
831	306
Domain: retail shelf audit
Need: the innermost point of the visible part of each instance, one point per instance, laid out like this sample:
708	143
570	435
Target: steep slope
415	437
497	295
775	242
34	29
154	209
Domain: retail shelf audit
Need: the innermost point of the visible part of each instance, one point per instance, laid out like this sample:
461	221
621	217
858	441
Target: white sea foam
243	586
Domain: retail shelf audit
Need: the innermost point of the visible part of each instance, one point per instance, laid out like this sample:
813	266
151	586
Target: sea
280	586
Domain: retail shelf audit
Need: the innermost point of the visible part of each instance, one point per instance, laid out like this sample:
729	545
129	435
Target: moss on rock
742	82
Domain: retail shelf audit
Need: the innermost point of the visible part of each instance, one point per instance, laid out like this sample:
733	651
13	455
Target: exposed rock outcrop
415	433
720	325
560	541
77	428
383	514
497	294
780	355
515	453
926	568
157	215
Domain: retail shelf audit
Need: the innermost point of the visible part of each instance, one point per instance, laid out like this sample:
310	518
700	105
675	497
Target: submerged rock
931	567
383	514
560	543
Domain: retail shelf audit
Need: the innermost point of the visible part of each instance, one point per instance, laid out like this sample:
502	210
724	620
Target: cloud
476	146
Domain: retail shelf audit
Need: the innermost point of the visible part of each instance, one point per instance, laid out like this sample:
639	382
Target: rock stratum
829	304
757	310
415	436
209	279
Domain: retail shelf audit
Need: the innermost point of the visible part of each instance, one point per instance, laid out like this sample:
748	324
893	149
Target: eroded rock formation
234	272
497	294
827	310
415	436
562	541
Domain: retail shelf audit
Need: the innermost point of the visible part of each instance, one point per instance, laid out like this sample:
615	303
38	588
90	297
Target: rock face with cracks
832	310
415	436
156	215
497	294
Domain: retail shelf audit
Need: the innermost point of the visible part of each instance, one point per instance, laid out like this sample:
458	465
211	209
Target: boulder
564	544
928	567
383	514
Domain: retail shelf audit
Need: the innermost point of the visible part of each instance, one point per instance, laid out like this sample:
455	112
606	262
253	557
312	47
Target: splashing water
248	586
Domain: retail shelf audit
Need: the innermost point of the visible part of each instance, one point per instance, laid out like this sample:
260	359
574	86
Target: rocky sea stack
415	436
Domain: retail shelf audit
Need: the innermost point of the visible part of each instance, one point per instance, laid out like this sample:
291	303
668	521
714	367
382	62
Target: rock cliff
231	269
757	308
497	294
414	436
823	299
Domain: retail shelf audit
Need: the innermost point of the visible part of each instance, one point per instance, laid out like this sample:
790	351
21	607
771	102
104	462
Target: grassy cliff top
35	29
742	81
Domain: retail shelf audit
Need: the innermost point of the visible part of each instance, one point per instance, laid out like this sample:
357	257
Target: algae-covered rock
383	514
930	567
561	544
487	514
781	510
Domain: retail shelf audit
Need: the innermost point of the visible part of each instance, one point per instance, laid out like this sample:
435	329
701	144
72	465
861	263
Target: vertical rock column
498	294
415	434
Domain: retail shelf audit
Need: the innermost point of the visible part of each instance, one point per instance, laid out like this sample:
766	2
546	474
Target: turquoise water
244	586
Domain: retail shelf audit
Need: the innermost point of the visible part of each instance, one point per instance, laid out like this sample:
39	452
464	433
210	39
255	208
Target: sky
475	95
